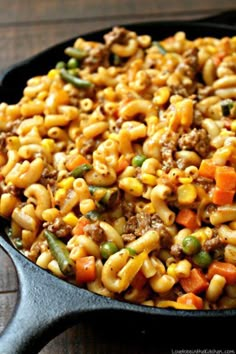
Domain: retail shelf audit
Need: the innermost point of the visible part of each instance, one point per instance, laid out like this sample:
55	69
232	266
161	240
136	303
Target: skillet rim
6	75
202	23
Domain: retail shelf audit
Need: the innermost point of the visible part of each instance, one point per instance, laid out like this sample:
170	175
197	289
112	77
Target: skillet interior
152	319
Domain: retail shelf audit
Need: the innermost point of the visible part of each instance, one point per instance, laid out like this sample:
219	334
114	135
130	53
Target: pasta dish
117	169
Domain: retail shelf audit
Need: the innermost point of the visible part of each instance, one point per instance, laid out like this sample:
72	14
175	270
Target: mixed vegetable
130	147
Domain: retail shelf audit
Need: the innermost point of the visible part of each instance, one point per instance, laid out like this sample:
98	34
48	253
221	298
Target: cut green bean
132	252
93	215
80	170
93	189
226	107
160	47
75	81
106	196
116	60
110	196
60	253
75	53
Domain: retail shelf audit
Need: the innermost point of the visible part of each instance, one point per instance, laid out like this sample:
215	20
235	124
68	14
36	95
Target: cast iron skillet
46	305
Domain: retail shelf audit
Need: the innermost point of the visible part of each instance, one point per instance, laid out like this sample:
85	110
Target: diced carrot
79	227
225	177
75	160
207	169
226	270
191	299
195	283
85	269
221	197
227	124
139	280
122	164
187	218
217	58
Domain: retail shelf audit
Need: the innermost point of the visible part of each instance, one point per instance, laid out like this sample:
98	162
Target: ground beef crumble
139	224
95	232
58	227
195	140
117	35
168	143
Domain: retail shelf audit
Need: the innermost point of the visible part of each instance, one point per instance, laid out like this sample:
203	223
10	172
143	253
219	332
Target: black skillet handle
224	18
46	306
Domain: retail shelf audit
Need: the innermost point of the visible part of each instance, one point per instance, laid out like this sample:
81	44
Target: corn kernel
149	179
53	73
171	270
186	194
185	180
203	234
60	195
132	186
113	136
66	183
48	144
70	219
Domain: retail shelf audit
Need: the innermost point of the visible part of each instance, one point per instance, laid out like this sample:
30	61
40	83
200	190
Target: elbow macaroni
152	115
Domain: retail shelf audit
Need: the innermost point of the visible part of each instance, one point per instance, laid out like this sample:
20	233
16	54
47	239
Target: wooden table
27	27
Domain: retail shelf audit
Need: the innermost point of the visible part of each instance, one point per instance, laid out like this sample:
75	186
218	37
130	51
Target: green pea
138	160
60	65
72	63
107	249
191	245
202	259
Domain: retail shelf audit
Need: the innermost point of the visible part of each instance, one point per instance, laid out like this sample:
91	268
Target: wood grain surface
27	27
